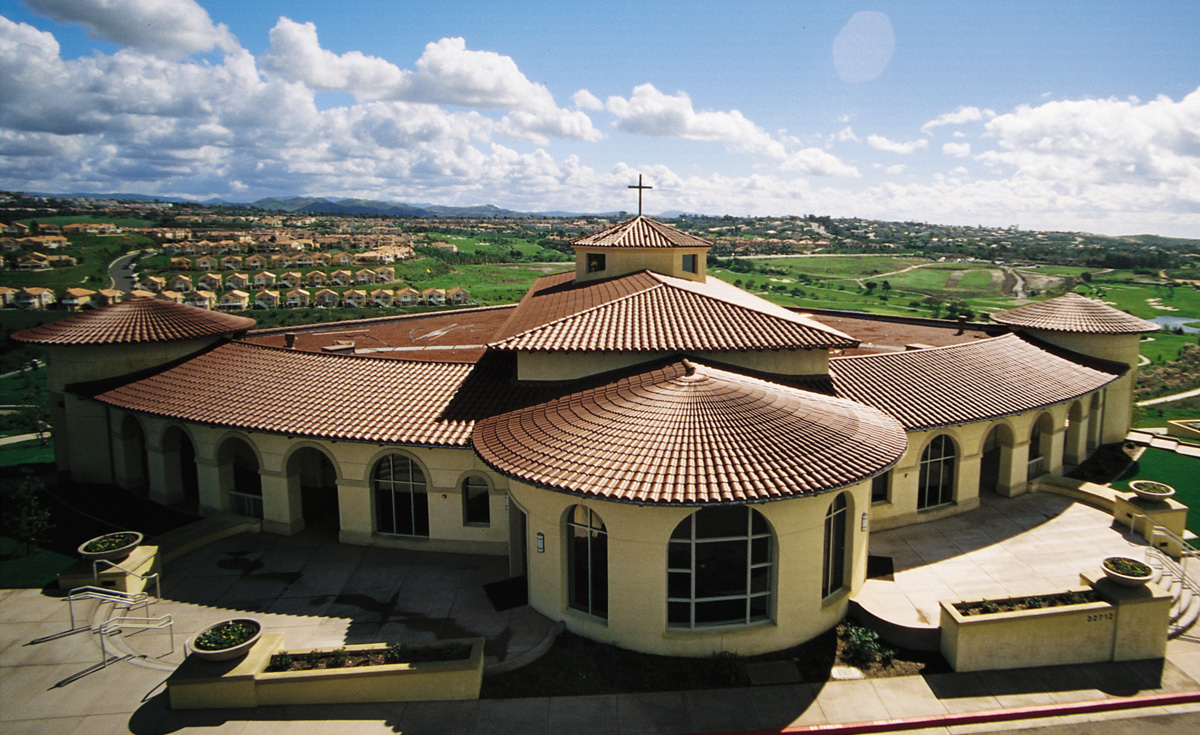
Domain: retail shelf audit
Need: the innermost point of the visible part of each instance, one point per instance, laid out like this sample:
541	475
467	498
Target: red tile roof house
675	465
76	299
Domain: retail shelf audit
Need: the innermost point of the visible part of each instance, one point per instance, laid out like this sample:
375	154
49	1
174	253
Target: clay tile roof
646	311
690	434
641	232
1074	313
270	389
977	381
135	320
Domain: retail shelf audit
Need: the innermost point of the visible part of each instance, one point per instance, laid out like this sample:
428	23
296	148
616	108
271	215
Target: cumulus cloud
1101	142
817	162
958	150
651	112
846	135
959	117
171	29
896	170
585	100
881	143
447	73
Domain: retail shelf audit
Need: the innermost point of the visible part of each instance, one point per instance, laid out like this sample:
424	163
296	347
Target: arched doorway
137	467
1039	446
1095	421
313	475
240	479
1074	448
179	460
994	474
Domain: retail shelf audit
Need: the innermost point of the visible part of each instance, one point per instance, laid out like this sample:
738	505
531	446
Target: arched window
401	505
936	485
587	561
833	564
719	568
477	509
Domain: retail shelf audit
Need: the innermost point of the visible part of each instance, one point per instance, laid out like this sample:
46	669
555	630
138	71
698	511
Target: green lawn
30	452
1175	470
29	572
72	219
14	387
1164	346
1159	414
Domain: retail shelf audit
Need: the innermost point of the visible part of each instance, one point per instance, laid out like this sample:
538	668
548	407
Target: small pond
1171	322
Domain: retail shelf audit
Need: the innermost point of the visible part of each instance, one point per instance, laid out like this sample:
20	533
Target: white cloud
1097	144
817	162
881	143
896	170
447	73
846	135
171	29
958	117
585	100
651	112
958	150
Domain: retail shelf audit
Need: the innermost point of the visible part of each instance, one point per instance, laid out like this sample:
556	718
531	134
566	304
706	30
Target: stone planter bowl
113	555
225	654
1141	488
1125	580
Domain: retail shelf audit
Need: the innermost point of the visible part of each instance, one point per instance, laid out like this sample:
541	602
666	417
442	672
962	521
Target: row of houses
77	299
20	229
41	261
284	251
266	279
259	261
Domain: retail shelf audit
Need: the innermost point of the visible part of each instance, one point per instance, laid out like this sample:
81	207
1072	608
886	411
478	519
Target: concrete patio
321	593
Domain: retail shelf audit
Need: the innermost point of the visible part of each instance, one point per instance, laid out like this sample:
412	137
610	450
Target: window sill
724	628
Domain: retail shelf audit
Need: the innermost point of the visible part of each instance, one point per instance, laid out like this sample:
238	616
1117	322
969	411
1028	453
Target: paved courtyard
321	593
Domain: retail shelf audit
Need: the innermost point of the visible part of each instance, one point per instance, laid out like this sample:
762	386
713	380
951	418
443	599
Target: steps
1185	594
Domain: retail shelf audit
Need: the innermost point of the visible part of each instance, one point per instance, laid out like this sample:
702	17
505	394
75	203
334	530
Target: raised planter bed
200	684
1122	624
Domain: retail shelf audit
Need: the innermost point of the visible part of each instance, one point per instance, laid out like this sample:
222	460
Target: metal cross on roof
640	188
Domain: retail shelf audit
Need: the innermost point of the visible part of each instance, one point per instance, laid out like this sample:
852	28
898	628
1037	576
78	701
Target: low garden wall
245	682
1124	624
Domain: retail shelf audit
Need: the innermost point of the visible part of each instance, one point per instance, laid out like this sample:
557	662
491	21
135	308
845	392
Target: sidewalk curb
985	716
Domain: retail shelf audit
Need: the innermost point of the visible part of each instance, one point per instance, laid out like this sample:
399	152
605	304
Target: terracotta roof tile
945	386
1074	313
296	393
135	320
641	232
664	434
647	311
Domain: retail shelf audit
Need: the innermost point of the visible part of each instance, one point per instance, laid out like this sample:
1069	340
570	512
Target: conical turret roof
641	232
134	321
1074	313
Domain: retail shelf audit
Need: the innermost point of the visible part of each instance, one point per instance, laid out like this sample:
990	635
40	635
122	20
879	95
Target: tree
871	286
26	520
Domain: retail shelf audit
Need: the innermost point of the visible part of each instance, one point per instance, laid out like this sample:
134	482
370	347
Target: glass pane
760	579
384	519
679	555
578	561
679	613
579	515
421	514
721	611
721	569
721	522
679	584
758	524
600	575
760	550
760	607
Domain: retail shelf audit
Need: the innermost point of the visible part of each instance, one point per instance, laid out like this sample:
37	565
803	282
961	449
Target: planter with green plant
1151	490
226	640
111	546
1127	572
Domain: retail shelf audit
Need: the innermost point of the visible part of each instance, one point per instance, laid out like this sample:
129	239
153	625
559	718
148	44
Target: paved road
118	277
1168	399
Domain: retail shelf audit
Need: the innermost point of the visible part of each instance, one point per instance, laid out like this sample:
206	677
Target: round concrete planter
114	554
226	654
1126	580
1150	490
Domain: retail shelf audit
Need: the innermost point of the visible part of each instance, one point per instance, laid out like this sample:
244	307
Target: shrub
863	647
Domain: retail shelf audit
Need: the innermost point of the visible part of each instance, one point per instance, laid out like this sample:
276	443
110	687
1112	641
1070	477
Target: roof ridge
961	345
576	314
293	351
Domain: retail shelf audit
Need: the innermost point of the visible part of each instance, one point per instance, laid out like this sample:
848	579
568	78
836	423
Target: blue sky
1047	115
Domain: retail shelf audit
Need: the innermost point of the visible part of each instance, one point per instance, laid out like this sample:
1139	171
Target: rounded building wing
689	434
1074	313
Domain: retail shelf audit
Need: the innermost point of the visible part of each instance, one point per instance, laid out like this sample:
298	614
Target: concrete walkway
319	592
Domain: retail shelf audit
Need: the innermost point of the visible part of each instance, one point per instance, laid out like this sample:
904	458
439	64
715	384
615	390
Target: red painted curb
973	718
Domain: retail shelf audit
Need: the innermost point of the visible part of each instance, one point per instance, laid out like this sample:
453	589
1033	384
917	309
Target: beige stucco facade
621	261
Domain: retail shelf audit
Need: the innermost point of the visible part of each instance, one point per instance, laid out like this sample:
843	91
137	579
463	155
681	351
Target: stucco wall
637	573
621	261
